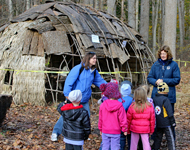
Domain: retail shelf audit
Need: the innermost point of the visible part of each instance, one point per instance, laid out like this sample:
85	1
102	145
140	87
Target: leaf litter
29	127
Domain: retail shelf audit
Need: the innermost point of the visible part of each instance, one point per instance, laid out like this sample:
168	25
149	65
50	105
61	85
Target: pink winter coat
112	117
143	122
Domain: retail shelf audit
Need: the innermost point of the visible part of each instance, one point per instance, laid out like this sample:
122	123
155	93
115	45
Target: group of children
121	115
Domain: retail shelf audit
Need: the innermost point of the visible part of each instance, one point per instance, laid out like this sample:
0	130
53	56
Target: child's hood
112	105
71	112
70	106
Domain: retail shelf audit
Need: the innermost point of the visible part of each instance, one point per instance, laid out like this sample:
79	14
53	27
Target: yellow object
164	112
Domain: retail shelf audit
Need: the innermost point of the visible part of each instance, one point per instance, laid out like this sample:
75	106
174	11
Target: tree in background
27	4
158	15
131	13
111	7
170	25
181	21
144	19
155	7
10	9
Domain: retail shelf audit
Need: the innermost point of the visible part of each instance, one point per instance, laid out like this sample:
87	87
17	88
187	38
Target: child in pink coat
112	117
141	119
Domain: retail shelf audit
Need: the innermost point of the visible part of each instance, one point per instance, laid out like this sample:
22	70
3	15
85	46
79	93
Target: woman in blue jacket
81	77
165	70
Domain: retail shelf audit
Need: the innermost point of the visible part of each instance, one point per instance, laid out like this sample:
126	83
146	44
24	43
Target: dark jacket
163	111
76	120
170	74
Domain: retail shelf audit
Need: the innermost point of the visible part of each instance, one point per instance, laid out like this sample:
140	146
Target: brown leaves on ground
29	128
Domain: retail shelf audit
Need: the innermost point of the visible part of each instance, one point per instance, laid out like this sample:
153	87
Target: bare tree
122	10
155	4
181	21
87	2
131	13
170	25
111	7
101	3
137	14
27	4
159	23
10	9
144	20
36	2
163	20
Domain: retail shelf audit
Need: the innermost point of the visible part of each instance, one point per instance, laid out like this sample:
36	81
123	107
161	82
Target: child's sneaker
54	137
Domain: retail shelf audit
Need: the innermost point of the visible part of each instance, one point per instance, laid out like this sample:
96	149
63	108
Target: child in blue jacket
125	92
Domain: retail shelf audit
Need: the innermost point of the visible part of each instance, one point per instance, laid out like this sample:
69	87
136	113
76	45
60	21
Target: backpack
67	101
82	68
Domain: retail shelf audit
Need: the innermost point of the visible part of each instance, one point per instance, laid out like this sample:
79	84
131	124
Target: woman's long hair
166	49
86	59
140	97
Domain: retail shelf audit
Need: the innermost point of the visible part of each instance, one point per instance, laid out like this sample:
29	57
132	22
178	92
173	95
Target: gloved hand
172	121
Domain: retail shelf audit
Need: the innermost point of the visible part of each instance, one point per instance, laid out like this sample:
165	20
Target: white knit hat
75	96
125	89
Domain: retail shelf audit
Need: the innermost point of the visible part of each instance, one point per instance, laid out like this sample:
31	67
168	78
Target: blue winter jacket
127	103
82	82
170	74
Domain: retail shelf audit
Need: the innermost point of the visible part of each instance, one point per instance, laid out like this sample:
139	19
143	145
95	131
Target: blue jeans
59	124
122	141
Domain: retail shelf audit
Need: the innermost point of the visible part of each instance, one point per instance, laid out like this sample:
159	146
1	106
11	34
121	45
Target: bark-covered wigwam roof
56	35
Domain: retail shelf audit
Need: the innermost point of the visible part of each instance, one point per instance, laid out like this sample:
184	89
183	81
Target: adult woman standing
81	77
165	70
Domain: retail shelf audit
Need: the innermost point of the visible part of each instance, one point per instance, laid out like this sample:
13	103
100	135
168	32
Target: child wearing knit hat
126	97
76	127
103	97
164	117
112	117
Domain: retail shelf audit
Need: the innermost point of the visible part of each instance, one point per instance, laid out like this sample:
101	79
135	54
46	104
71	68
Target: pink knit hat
111	90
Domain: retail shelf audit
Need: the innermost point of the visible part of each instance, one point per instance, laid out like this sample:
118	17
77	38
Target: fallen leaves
29	127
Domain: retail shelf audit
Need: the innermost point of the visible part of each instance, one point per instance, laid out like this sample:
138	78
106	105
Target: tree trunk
92	2
137	15
131	13
181	21
170	25
96	4
159	23
144	20
18	7
101	3
122	10
36	2
111	7
10	9
154	26
86	2
163	20
27	4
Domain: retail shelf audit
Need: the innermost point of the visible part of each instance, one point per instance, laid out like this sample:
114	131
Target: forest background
158	21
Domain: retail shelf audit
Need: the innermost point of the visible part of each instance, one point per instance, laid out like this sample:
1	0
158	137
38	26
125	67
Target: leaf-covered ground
29	127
